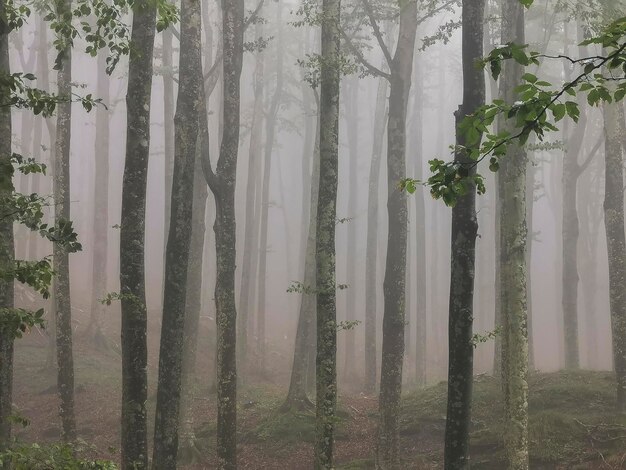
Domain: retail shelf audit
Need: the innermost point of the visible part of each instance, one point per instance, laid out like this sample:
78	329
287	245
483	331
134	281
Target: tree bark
513	233
616	244
132	233
186	128
7	248
222	184
463	254
326	362
61	264
401	68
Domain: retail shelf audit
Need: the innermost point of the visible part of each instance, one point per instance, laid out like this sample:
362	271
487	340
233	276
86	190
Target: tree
463	254
614	131
7	249
132	273
371	249
326	361
222	185
62	195
186	131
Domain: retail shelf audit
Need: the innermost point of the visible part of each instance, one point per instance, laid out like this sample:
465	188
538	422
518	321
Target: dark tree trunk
371	249
326	362
222	184
132	233
463	255
401	68
179	240
62	199
7	248
168	127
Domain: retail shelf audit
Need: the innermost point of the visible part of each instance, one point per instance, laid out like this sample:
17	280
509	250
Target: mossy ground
572	420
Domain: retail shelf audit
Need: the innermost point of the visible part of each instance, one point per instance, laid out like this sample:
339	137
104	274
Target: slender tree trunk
222	184
132	233
326	362
513	232
178	244
270	131
401	68
101	206
62	199
530	205
7	248
463	254
297	398
371	250
168	125
570	232
352	113
252	217
616	244
420	231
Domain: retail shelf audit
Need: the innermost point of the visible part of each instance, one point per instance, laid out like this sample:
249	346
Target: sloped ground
573	424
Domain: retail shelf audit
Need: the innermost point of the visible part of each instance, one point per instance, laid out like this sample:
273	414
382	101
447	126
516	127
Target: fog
284	130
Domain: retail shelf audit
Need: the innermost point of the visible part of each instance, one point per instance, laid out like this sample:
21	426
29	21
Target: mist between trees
297	234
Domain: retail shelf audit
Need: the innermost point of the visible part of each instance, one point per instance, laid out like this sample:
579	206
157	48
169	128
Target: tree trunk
179	240
513	232
7	249
394	283
101	207
616	244
371	250
297	398
62	199
222	184
132	233
463	254
420	230
251	230
168	127
270	131
352	114
326	362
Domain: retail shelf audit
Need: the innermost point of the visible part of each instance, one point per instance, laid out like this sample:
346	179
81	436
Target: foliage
537	110
52	457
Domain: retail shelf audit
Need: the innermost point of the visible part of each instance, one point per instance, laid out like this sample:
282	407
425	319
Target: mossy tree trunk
463	254
371	247
222	185
616	244
132	233
7	248
186	125
61	264
326	362
513	276
401	68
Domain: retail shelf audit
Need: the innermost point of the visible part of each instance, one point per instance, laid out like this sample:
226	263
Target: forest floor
573	424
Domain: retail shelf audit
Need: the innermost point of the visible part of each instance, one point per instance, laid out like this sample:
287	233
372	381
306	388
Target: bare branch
359	56
377	33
